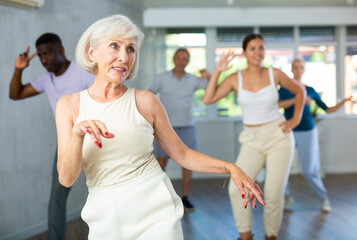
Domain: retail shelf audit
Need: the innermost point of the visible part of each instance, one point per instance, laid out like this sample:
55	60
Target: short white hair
103	30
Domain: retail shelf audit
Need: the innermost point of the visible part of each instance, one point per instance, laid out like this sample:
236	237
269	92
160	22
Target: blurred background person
62	77
306	136
176	89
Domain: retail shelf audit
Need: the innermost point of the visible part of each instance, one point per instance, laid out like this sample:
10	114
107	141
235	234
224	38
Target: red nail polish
87	131
96	143
245	206
243	195
106	133
255	206
100	145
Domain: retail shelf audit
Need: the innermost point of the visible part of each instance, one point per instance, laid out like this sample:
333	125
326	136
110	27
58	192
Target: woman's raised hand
95	129
243	182
223	63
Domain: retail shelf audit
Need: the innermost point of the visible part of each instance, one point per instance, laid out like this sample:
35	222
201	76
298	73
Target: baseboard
340	169
39	227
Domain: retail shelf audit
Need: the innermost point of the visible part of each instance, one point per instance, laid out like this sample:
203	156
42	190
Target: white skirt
144	208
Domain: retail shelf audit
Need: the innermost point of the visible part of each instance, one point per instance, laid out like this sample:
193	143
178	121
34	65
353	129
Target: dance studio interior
323	33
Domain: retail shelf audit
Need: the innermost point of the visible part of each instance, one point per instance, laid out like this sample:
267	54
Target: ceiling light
230	2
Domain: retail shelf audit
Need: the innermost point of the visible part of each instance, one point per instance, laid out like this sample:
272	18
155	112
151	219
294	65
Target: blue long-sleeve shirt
307	122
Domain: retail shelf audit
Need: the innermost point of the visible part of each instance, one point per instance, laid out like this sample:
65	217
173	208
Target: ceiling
239	3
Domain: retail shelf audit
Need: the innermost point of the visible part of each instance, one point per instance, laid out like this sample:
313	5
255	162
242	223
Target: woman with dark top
306	136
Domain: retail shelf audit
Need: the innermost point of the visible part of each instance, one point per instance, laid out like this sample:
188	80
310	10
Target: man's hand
23	60
204	74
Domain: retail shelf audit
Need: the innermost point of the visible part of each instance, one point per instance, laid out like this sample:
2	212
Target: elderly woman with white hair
109	129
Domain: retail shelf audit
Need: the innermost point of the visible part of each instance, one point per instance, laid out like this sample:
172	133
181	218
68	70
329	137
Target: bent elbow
65	182
13	97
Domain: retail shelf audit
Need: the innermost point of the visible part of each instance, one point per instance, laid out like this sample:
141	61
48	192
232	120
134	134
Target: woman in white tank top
108	130
266	138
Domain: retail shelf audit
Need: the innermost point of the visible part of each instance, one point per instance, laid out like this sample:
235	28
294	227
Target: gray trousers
309	156
57	207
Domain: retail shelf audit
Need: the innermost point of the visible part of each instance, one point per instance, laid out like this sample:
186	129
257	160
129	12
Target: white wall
338	136
207	17
28	130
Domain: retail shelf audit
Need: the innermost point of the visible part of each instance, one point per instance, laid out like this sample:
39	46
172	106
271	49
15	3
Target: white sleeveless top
129	153
261	106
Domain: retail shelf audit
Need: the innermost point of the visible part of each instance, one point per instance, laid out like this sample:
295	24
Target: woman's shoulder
68	106
69	98
144	93
145	96
146	103
279	75
69	101
275	70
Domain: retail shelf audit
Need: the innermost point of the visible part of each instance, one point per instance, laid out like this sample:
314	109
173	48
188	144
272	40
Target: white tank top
129	153
261	106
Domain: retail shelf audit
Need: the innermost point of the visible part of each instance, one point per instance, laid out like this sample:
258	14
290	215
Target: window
317	34
277	34
195	42
352	33
351	78
320	71
185	37
351	68
280	59
231	36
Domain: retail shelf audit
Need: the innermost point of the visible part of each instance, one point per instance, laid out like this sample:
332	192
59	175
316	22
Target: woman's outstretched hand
95	129
242	181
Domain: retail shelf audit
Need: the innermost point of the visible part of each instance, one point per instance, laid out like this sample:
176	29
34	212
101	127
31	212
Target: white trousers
267	145
144	208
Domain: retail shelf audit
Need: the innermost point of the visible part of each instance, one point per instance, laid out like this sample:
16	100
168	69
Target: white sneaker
325	205
288	202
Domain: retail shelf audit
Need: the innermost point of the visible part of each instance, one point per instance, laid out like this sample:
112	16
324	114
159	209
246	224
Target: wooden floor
213	219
